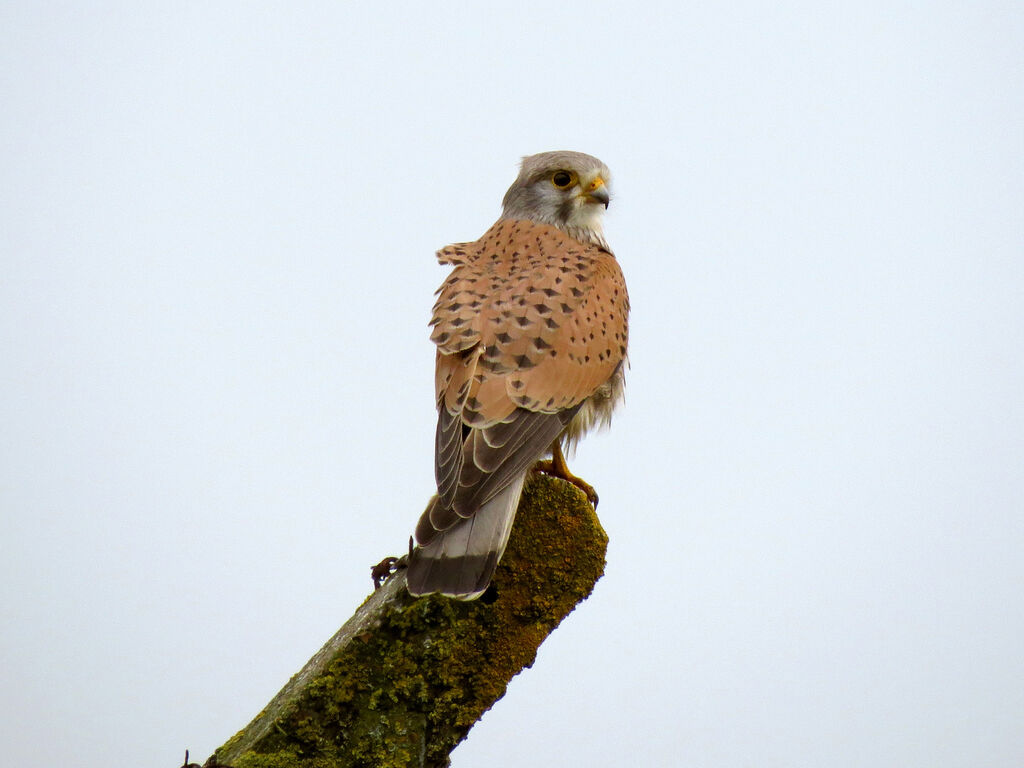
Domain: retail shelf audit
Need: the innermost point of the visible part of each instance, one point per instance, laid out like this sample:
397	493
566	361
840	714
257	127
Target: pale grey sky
217	226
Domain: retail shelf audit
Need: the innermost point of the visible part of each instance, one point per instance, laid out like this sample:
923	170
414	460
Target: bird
531	336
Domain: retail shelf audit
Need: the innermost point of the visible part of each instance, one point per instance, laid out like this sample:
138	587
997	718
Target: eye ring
561	179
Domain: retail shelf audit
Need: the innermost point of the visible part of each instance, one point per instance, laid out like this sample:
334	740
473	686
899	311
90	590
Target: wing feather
528	326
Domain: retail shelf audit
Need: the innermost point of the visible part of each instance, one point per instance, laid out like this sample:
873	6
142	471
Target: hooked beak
596	192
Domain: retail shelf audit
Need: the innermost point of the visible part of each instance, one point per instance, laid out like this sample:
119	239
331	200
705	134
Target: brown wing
529	324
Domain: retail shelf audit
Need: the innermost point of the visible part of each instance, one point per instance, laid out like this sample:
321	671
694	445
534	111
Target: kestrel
531	333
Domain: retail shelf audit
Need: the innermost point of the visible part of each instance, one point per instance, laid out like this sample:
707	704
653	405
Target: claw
557	467
380	572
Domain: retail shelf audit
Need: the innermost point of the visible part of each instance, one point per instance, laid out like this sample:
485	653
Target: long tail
460	561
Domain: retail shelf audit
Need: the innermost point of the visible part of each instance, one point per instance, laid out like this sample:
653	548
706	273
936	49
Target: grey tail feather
460	561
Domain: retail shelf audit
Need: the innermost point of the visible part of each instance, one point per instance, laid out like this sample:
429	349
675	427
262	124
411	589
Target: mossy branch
405	679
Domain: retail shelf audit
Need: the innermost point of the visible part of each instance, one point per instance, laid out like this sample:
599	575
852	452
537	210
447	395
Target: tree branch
403	681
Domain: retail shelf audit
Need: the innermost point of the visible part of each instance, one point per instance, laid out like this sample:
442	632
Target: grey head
568	190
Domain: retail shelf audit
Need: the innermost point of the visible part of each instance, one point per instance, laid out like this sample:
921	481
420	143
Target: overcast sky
217	228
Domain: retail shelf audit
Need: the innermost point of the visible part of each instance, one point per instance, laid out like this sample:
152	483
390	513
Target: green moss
408	690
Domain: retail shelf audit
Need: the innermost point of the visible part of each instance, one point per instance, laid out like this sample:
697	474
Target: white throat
585	223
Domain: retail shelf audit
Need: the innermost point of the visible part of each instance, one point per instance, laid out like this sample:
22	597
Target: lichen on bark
405	679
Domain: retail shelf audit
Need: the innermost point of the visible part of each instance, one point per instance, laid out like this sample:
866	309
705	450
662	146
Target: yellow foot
556	467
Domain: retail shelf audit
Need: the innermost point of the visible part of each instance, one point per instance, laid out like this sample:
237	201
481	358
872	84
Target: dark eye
561	179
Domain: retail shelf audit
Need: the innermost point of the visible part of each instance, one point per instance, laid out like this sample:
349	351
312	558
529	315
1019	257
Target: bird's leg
556	467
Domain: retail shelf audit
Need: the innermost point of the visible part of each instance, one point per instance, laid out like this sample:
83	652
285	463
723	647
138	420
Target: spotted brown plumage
531	335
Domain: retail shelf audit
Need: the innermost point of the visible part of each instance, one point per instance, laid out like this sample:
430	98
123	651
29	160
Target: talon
380	572
557	467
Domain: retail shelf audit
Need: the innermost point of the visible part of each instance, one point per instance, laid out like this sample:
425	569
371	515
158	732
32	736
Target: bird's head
568	190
